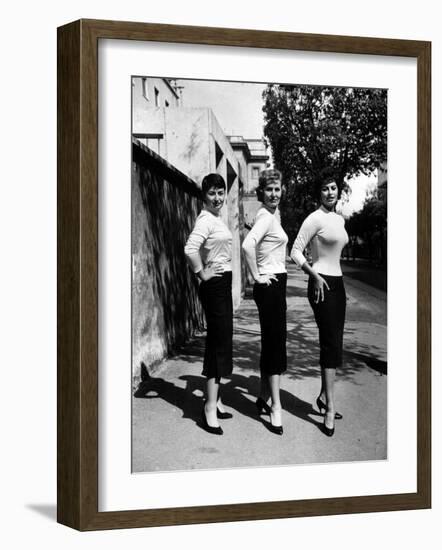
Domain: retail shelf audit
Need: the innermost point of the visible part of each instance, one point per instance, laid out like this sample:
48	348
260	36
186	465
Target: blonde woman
265	253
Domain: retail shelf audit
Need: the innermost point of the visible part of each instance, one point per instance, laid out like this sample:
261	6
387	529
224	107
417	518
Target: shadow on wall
165	306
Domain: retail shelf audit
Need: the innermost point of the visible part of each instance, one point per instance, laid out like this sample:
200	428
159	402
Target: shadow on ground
238	393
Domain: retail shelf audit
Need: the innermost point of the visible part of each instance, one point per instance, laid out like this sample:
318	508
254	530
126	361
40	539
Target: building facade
253	158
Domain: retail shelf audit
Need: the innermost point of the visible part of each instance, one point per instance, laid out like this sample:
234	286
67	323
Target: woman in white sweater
265	253
209	253
325	232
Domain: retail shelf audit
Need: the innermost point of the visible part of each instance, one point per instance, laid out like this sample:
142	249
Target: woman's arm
254	237
305	235
203	273
319	281
196	239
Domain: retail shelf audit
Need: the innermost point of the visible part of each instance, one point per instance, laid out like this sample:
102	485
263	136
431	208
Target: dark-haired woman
209	253
325	232
265	253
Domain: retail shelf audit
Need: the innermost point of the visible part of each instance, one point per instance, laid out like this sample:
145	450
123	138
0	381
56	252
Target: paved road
167	433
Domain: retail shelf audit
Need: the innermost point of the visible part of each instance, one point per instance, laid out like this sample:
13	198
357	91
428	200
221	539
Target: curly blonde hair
266	176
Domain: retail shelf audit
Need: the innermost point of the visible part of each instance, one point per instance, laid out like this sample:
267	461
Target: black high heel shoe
262	406
328	431
278	430
223	415
321	406
211	429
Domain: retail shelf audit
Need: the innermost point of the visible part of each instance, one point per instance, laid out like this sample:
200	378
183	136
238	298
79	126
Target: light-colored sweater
210	242
270	241
325	232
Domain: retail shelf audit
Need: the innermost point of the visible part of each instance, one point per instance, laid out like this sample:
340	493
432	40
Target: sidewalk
365	271
167	432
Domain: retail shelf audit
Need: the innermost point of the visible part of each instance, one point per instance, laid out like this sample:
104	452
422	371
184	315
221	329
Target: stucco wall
165	305
141	103
187	137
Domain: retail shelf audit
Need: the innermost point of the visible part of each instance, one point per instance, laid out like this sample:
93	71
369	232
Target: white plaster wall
187	137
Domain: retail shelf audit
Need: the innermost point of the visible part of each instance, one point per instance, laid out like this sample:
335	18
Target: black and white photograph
197	374
259	274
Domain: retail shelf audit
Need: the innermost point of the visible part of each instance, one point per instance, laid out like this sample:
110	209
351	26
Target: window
218	154
255	172
145	88
154	144
166	103
231	176
157	97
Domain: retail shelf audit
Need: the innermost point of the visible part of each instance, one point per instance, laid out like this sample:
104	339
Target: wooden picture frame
77	225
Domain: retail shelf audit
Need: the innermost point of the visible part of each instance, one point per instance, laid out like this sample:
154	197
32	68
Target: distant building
381	190
252	157
147	94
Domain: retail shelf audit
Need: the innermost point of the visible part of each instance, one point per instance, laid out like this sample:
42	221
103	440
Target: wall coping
145	155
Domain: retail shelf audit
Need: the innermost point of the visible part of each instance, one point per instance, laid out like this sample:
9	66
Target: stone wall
165	307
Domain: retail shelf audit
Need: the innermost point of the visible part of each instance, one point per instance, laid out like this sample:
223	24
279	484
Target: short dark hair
266	176
325	176
212	180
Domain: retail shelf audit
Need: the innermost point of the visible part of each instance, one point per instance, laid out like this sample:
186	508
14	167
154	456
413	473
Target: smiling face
271	195
329	195
214	199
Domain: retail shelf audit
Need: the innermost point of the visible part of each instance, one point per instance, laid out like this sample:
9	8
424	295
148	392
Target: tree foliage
369	226
313	128
370	219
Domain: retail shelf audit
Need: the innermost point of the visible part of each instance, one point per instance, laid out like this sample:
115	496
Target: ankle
210	407
211	418
275	417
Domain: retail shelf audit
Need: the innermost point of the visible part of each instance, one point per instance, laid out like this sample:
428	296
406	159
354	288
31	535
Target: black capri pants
330	318
216	298
272	309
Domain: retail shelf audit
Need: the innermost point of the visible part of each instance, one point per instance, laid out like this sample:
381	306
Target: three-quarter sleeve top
270	241
211	240
325	232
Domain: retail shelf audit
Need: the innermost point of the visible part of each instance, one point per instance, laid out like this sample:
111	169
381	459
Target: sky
359	187
238	109
237	105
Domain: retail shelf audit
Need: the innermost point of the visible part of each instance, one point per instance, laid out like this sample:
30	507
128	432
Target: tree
370	225
313	128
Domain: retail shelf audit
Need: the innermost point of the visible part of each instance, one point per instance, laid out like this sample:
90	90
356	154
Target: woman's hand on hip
266	279
320	283
210	271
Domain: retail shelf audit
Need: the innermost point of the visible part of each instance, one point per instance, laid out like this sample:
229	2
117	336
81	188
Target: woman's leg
274	383
275	414
328	375
330	317
325	321
216	298
322	393
271	304
211	402
219	404
264	392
